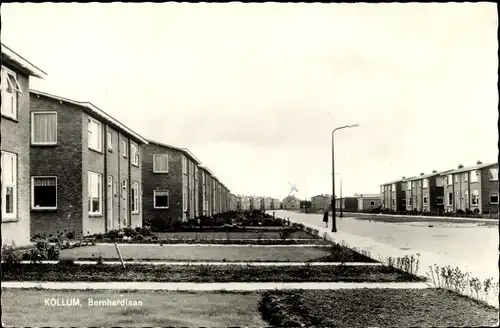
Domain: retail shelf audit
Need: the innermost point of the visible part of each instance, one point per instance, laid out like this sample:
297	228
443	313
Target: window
372	203
474	176
426	183
9	185
439	182
494	174
135	197
160	163
413	184
408	186
110	141
425	199
393	201
134	154
10	90
475	197
95	135
466	196
124	149
466	176
184	165
44	128
456	178
450	179
95	193
160	198
439	200
124	188
410	201
419	183
393	187
115	188
450	199
44	193
494	198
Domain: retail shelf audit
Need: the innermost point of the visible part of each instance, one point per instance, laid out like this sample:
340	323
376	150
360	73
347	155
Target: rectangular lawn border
226	273
374	308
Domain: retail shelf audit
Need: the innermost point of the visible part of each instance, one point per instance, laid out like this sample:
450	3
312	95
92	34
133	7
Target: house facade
473	188
204	190
320	202
425	193
368	201
291	203
85	168
233	202
15	146
347	204
244	203
393	195
276	204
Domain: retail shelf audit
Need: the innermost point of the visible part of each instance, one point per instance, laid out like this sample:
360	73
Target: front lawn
374	308
197	253
204	273
252	234
26	308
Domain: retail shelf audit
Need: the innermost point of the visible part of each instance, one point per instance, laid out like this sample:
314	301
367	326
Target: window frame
6	217
133	195
425	199
154	161
492	194
492	176
154	199
474	196
33	207
425	183
450	201
92	121
474	174
109	141
100	198
124	148
33	142
134	156
439	200
466	176
449	179
5	72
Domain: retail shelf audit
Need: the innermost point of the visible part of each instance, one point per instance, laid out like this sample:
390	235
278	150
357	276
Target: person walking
325	217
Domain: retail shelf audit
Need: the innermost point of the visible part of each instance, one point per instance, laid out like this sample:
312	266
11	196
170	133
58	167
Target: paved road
472	244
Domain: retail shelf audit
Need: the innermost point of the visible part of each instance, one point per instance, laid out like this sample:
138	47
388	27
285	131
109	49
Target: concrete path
380	251
200	263
444	218
211	245
185	286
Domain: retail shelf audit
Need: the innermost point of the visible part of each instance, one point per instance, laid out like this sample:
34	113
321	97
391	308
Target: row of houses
469	189
358	202
250	203
69	166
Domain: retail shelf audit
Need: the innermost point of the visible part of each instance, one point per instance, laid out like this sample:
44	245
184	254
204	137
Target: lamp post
334	223
341	214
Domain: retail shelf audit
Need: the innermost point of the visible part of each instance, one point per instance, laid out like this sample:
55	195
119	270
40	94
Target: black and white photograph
249	164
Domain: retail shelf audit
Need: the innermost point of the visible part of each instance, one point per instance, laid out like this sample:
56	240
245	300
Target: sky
255	90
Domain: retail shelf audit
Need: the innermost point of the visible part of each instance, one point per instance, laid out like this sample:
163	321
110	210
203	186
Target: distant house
393	195
85	168
233	202
425	193
347	204
15	145
473	188
320	202
368	201
291	203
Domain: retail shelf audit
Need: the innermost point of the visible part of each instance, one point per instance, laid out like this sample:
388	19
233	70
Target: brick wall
16	139
64	161
135	176
488	186
172	181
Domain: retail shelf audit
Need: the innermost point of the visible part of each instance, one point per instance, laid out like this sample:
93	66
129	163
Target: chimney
460	166
434	171
422	173
404	178
479	162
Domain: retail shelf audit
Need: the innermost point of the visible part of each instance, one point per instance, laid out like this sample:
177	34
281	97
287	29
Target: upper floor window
456	178
95	135
184	164
408	185
43	128
494	174
393	187
160	163
439	181
110	141
426	183
134	154
10	90
9	185
466	176
124	149
474	176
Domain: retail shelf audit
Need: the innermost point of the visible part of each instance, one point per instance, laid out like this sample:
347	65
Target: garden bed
203	273
218	241
26	308
374	308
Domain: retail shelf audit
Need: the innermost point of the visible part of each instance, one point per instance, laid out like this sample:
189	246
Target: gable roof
470	168
22	63
94	110
429	175
396	181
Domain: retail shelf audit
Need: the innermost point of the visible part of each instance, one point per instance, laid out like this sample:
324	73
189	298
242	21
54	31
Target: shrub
286	232
11	256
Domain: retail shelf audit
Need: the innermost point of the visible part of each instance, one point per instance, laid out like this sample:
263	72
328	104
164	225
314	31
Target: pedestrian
325	217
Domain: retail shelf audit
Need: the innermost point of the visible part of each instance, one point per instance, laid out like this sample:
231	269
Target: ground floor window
439	200
160	199
9	185
425	199
95	193
494	198
475	197
135	197
44	192
450	199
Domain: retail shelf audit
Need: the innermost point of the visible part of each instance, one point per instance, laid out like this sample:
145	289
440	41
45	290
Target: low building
291	203
15	146
346	204
367	202
85	168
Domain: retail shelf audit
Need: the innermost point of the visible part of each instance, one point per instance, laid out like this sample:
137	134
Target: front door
124	204
109	200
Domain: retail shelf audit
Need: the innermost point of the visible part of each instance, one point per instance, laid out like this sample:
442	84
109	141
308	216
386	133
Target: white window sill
136	212
95	150
136	165
161	208
493	180
95	215
42	144
110	150
10	117
44	208
9	219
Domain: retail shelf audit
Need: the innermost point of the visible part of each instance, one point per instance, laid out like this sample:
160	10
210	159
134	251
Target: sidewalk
201	263
444	218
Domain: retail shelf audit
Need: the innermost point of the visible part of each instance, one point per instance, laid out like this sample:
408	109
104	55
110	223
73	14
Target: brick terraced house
393	195
473	188
170	182
15	146
425	193
85	168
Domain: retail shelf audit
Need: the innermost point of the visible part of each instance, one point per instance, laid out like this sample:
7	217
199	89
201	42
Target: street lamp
341	214
334	223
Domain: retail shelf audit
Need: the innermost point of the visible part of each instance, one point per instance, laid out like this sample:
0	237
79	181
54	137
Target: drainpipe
119	180
105	178
129	183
